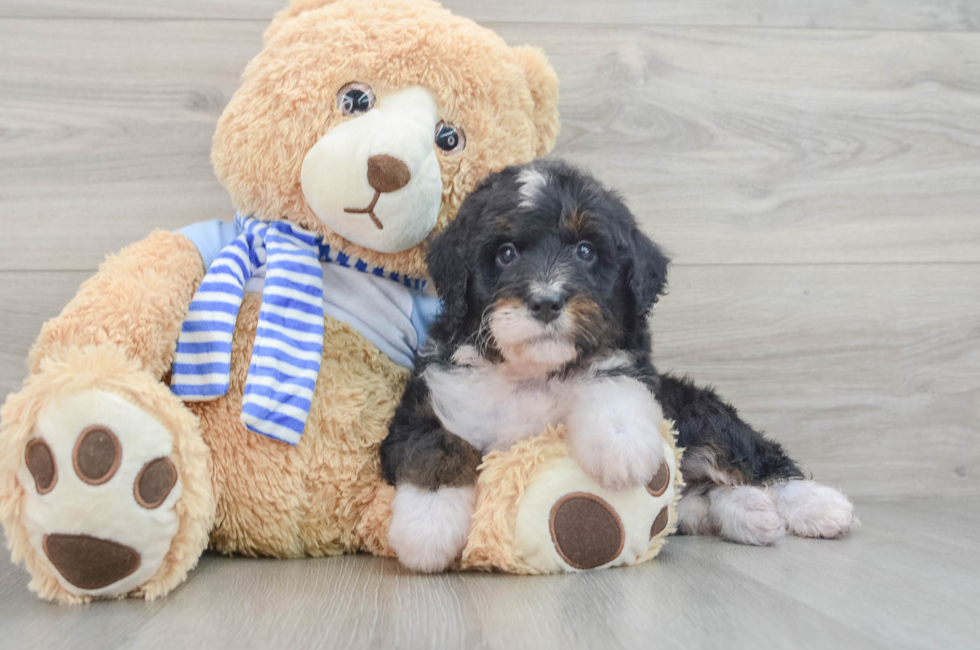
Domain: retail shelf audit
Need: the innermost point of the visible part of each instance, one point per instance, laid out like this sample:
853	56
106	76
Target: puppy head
545	266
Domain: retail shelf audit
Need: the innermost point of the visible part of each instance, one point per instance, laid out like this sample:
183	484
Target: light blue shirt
394	317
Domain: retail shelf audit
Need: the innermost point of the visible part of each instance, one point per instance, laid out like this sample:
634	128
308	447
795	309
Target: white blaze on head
532	183
335	173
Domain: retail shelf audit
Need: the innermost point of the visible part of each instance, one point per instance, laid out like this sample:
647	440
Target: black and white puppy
547	283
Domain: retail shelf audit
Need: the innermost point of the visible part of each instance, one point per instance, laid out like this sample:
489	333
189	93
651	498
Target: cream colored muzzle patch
340	182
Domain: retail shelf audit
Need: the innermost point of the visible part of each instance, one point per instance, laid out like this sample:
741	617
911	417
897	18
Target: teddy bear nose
387	173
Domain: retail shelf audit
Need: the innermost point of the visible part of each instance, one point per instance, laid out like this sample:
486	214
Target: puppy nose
387	173
546	307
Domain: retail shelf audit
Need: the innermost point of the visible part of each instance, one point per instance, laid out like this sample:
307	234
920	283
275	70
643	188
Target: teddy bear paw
100	493
429	528
569	522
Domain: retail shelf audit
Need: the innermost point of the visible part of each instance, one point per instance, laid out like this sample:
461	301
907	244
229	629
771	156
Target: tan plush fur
504	98
503	479
136	301
244	493
287	501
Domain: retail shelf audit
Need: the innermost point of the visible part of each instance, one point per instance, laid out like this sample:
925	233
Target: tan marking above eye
40	463
586	530
97	455
154	483
660	481
660	522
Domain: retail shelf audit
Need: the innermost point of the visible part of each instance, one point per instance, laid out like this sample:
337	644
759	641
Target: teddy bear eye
450	139
355	98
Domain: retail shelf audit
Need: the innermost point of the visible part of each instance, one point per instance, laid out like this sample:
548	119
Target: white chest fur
490	410
490	407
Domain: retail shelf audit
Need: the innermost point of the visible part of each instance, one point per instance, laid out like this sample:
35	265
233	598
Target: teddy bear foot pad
101	494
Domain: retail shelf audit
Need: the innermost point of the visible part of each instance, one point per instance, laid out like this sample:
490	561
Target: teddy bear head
368	122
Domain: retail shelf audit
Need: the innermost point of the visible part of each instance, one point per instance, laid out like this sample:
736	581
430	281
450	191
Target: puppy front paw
429	528
616	435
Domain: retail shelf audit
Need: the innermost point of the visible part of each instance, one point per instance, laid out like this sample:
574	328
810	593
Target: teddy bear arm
136	302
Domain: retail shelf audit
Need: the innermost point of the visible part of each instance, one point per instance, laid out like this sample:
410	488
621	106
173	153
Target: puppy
547	283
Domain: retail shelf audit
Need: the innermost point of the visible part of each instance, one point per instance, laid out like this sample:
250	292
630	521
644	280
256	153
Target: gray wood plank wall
813	168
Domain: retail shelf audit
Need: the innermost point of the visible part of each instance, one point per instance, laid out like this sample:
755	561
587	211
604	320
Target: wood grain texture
733	146
905	579
814	169
106	133
749	146
866	373
27	300
952	15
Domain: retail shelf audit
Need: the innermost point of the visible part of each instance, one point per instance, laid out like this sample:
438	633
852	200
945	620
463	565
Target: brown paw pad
660	481
89	562
97	455
586	530
154	483
659	523
40	463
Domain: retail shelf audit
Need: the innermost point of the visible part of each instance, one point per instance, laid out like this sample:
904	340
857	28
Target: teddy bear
227	386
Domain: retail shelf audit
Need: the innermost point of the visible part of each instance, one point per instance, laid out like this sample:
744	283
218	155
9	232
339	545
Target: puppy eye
585	251
450	139
506	254
355	98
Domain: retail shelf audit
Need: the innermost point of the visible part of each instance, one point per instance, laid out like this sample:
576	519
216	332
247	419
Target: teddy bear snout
387	173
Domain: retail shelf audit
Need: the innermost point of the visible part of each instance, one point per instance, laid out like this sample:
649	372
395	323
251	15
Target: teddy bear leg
104	482
539	511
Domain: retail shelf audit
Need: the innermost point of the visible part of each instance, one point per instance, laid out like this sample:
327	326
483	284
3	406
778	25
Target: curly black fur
615	292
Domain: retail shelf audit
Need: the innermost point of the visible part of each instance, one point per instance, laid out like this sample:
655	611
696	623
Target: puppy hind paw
814	510
693	512
429	528
746	515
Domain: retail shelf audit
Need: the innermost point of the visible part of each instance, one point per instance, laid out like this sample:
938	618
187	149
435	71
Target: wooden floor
813	166
909	578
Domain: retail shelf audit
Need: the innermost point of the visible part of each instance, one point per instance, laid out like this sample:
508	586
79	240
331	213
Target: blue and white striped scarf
288	344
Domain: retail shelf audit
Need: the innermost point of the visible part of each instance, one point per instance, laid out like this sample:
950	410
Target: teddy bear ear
295	8
543	83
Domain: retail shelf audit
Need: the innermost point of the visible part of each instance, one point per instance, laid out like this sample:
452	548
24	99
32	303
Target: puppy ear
648	274
449	272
